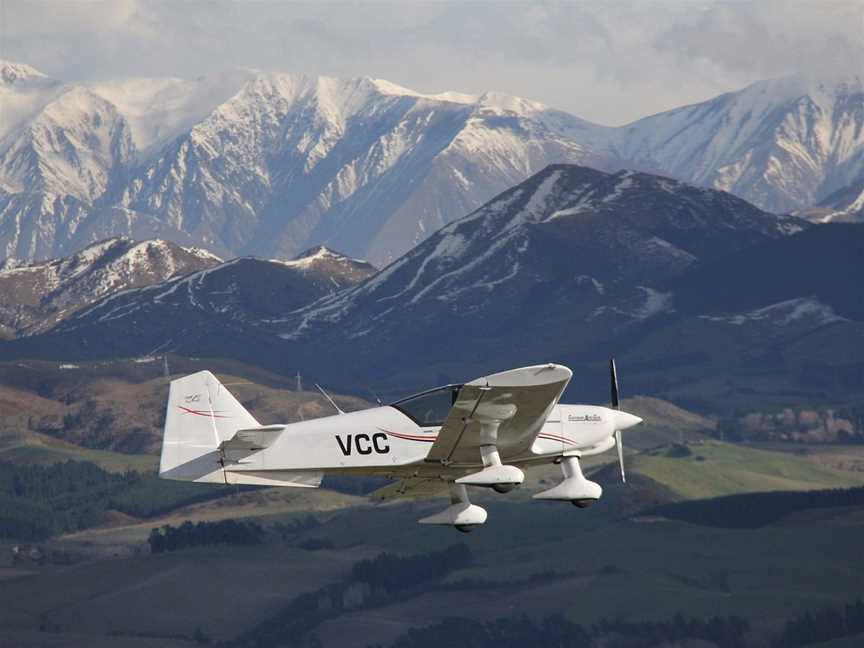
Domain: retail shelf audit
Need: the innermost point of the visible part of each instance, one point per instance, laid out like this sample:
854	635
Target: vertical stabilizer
201	414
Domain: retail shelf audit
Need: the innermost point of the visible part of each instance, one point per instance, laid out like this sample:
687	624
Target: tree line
822	625
39	501
204	534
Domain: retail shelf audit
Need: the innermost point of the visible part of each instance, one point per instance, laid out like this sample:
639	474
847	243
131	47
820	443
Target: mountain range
266	164
270	164
703	297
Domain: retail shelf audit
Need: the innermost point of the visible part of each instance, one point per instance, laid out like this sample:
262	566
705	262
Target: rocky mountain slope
34	297
782	144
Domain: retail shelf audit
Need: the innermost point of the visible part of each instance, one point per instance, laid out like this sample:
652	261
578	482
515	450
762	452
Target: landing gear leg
494	475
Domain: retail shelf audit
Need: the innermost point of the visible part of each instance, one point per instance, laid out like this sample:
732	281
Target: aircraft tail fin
201	414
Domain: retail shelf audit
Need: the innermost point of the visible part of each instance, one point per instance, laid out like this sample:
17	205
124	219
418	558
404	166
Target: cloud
609	62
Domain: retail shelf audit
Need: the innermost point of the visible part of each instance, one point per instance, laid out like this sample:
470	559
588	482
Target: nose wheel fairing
461	513
574	487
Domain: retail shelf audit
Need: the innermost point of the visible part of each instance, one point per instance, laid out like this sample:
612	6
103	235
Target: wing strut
465	423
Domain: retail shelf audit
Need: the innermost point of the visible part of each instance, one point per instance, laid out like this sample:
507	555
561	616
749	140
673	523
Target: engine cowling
590	425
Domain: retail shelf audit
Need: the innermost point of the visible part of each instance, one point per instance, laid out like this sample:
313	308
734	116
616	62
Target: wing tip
530	376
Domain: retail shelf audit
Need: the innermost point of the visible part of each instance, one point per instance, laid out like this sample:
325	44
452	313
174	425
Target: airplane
480	434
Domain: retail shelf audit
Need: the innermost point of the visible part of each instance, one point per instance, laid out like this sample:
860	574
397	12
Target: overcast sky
609	62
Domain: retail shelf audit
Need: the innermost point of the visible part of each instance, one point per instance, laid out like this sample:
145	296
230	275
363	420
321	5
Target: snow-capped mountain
270	164
782	144
72	147
360	164
201	311
34	297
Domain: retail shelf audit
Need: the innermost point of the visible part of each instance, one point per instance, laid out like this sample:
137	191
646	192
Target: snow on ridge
598	286
536	205
315	255
490	101
202	253
625	181
655	302
499	102
449	96
784	313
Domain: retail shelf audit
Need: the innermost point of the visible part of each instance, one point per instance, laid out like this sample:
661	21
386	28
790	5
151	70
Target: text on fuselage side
364	443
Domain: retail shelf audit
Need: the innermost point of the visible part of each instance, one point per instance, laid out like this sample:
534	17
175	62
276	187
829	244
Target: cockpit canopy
429	408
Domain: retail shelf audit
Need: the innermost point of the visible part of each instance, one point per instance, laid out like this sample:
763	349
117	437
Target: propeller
613	379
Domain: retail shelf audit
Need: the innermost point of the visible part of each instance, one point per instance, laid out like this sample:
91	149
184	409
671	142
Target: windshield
429	408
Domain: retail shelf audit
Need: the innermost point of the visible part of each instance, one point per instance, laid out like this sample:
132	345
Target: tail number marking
363	443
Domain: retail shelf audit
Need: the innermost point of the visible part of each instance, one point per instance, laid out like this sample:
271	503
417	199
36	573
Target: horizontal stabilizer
252	439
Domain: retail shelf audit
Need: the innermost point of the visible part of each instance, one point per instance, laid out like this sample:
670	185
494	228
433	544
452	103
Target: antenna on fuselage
327	396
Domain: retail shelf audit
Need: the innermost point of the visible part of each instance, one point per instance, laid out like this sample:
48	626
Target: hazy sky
609	62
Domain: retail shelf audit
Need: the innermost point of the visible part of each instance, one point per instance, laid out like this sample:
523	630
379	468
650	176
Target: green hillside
711	468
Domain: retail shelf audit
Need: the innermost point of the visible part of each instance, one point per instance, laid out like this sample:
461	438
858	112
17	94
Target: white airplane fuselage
387	441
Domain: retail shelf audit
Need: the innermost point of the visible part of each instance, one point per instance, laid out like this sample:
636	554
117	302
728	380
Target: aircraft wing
521	399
